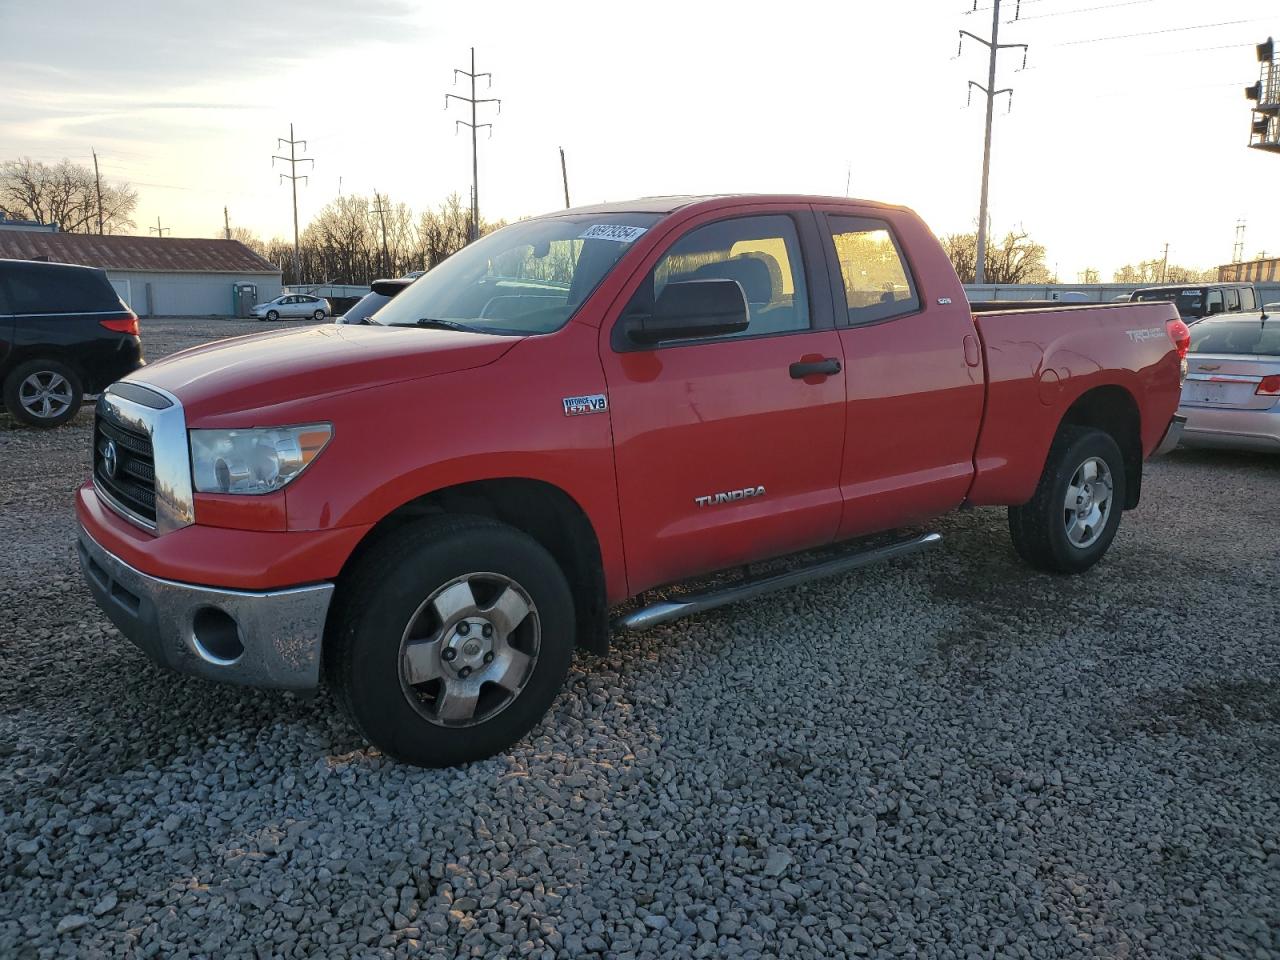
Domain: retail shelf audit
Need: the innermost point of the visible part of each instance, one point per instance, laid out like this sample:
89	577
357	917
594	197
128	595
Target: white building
160	276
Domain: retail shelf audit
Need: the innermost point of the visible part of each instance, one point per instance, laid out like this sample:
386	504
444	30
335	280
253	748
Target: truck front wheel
451	638
1071	520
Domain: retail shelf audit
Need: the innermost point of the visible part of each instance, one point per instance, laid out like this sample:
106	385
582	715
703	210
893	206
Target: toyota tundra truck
601	419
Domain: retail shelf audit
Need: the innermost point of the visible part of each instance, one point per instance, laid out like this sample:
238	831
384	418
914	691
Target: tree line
356	239
67	194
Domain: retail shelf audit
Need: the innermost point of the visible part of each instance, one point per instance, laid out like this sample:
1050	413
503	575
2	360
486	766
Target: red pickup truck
588	411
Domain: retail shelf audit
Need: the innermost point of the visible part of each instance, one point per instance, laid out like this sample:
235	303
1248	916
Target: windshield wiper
443	325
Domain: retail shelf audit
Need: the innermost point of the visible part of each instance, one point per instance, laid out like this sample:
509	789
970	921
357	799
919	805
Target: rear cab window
875	275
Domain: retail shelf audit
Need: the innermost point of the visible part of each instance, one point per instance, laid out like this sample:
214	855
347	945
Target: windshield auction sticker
617	232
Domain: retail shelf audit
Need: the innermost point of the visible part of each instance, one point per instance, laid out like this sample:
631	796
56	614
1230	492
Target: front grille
134	484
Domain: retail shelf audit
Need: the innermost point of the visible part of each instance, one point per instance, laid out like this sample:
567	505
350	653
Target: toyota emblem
110	459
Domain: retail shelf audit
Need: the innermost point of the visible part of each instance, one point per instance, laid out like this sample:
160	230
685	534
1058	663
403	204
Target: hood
250	373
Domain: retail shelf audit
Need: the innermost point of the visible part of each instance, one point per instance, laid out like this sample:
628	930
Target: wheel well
1114	411
544	512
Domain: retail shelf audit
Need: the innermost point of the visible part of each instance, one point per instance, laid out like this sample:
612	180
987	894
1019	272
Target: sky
1127	130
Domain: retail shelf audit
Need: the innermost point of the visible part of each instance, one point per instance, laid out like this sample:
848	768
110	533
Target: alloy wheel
469	649
45	394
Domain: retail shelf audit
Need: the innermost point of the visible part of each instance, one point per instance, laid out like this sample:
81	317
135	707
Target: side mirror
691	310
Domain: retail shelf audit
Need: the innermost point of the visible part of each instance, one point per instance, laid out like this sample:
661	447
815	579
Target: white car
293	305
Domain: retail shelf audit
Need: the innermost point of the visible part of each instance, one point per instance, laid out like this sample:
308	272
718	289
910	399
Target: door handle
827	367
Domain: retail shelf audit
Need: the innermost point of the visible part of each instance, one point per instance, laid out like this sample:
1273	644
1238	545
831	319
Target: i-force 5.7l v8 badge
592	403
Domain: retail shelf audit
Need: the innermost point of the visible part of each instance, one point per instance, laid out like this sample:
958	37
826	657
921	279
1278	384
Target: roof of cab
669	204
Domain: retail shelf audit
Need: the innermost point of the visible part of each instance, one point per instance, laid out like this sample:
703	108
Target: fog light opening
216	635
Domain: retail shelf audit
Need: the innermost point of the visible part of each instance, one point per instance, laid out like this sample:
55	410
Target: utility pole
564	175
226	225
380	209
1237	251
474	101
97	180
158	230
292	176
994	46
1164	265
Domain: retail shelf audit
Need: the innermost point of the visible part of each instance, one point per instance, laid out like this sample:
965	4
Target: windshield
527	278
1254	337
1188	300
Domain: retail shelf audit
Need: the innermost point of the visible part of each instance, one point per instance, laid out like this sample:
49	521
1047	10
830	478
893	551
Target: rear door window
1214	303
877	280
1233	300
1248	301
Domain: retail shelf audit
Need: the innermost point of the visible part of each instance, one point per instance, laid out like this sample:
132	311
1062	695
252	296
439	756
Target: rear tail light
127	324
1180	334
1270	386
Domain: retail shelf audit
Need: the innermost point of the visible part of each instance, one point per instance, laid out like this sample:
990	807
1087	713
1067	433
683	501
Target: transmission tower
474	102
1237	251
994	46
292	176
381	210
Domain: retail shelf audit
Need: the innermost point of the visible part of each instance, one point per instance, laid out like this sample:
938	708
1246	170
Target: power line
1067	13
1154	33
293	177
994	46
474	101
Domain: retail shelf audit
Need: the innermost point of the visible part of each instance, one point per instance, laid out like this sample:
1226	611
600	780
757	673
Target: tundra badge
592	403
729	496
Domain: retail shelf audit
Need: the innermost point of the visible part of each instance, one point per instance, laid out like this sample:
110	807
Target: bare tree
65	194
1015	259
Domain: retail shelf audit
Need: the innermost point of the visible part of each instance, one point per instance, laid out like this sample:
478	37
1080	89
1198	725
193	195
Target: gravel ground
951	756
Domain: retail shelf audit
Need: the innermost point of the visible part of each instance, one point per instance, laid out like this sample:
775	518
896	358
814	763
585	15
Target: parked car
1232	395
63	333
579	409
293	305
380	294
1195	301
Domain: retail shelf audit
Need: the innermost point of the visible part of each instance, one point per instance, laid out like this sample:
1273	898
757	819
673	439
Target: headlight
254	461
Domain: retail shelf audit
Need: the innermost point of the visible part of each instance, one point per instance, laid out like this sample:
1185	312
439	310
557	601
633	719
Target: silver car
293	305
1231	397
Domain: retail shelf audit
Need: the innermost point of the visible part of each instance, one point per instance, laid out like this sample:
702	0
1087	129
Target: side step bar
664	611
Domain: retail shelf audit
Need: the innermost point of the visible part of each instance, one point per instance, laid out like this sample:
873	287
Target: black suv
63	333
1195	301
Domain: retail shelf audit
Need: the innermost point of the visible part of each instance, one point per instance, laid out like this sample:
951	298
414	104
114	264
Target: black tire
385	593
318	315
31	377
1039	527
273	315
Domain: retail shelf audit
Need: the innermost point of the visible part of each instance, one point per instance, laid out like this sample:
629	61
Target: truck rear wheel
1071	520
450	639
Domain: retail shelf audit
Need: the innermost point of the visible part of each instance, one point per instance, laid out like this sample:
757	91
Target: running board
665	611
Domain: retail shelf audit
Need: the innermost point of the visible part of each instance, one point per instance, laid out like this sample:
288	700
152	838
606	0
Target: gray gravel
951	757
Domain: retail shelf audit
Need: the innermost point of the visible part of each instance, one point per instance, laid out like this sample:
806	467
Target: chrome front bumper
1171	436
267	639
